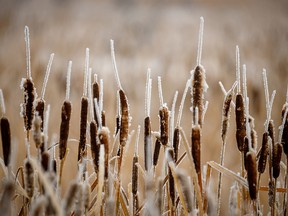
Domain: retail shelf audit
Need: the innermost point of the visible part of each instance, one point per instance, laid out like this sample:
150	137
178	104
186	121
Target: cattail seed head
263	154
226	115
176	143
37	134
124	118
197	91
64	128
135	175
196	147
29	177
40	105
95	89
164	125
95	145
240	122
45	160
271	131
156	151
27	106
104	139
83	127
103	118
276	159
252	174
6	139
147	143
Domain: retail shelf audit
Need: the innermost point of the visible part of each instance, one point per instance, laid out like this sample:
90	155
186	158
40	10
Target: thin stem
114	64
200	41
47	76
148	93
68	81
137	140
2	104
28	57
101	93
160	92
86	73
188	83
238	69
172	117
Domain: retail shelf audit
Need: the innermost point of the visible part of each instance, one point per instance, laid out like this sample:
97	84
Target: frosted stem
266	91
200	41
86	73
28	58
238	69
182	102
114	64
270	105
2	103
160	91
172	116
47	76
137	140
68	80
99	117
101	96
148	93
196	117
90	96
46	123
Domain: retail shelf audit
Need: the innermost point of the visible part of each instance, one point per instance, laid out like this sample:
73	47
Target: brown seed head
135	175
40	105
170	152
196	147
124	129
6	139
156	151
271	132
263	153
29	177
104	139
45	160
164	125
176	143
240	122
96	94
64	128
147	142
95	145
276	159
37	134
252	174
225	115
27	106
83	127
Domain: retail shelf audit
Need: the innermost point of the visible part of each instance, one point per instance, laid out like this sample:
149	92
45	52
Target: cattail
176	142
276	159
45	160
263	154
254	135
103	118
197	91
29	177
134	165
83	127
37	133
196	147
40	104
164	125
240	122
156	151
124	118
6	139
252	174
8	191
95	145
271	131
70	197
95	88
147	143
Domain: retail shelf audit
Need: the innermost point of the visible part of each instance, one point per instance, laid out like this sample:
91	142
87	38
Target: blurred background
161	35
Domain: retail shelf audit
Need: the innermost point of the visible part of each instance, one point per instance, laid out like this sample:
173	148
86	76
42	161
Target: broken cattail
6	139
83	127
29	177
276	159
164	125
252	174
263	153
124	129
156	151
104	139
95	145
7	196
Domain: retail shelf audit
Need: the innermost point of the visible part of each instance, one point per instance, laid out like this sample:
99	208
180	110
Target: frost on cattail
124	129
29	177
8	190
104	139
37	133
147	143
271	131
252	174
96	93
164	125
263	153
240	122
6	139
95	145
276	159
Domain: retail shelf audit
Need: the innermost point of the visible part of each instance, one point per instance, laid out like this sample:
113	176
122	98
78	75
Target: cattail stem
28	61
200	41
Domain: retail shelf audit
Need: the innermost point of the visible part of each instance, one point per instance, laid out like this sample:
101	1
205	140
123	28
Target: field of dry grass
162	36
